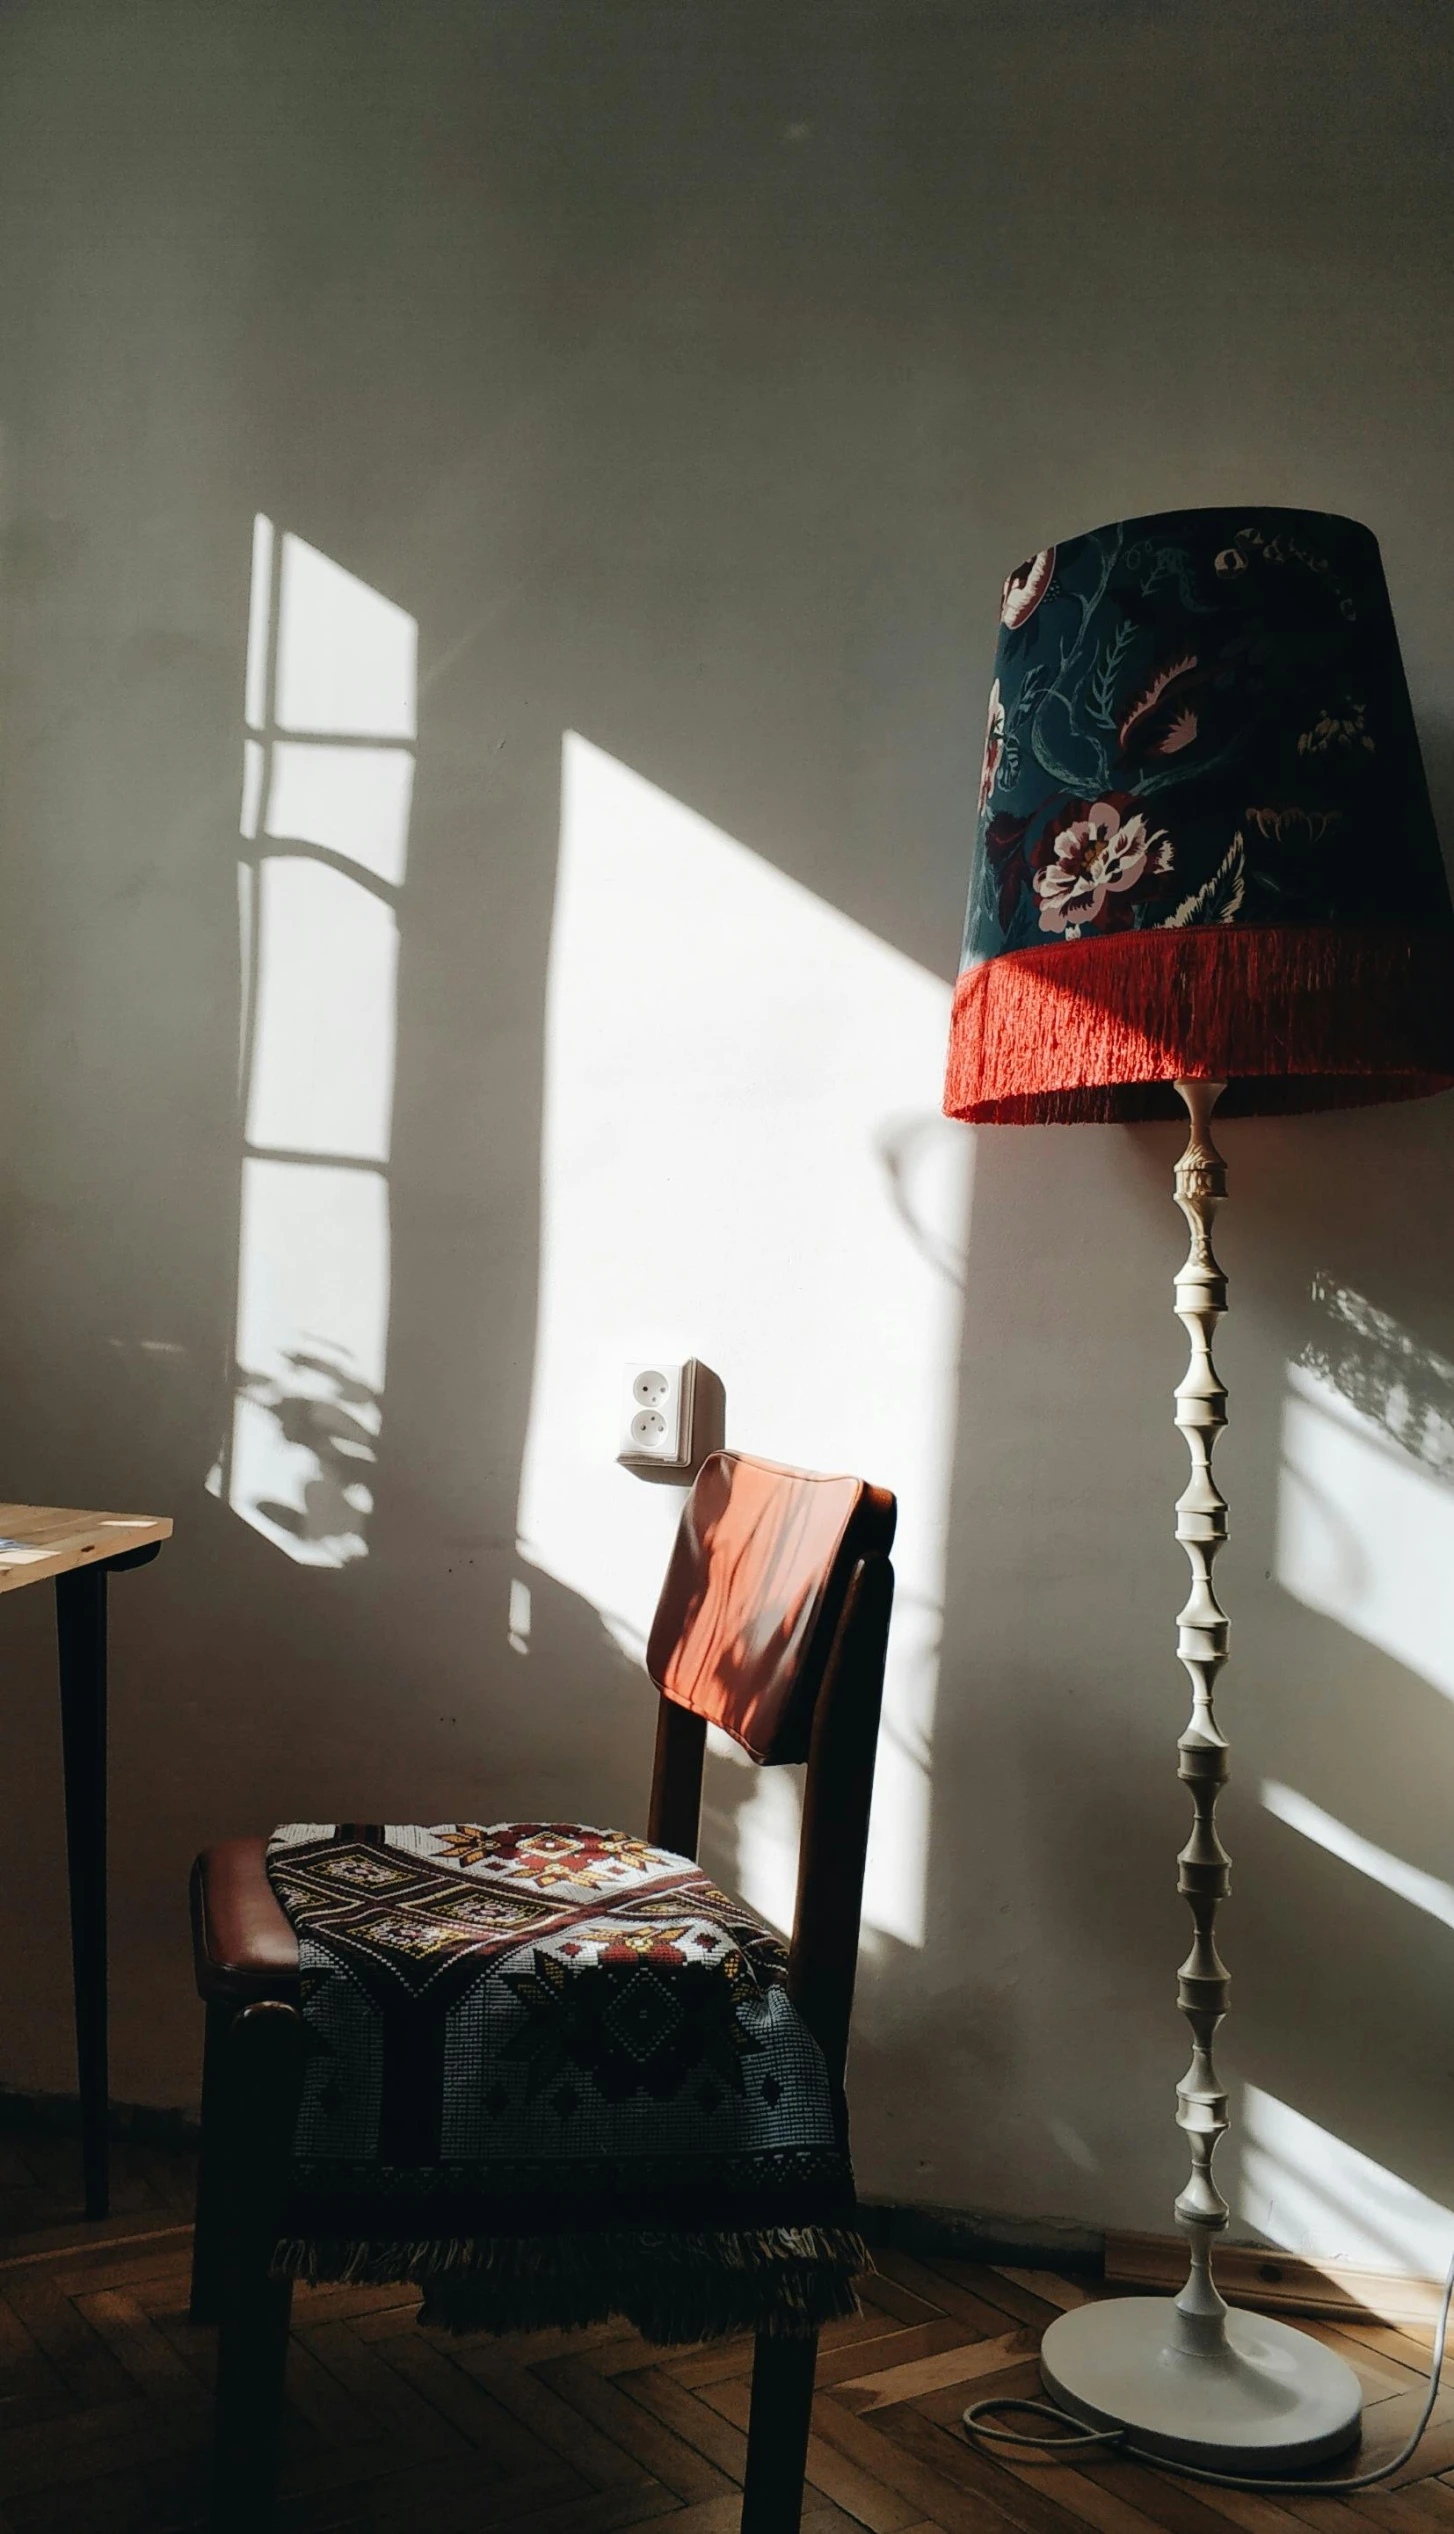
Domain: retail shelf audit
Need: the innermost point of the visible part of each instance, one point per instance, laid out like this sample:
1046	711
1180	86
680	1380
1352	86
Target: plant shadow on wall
330	1420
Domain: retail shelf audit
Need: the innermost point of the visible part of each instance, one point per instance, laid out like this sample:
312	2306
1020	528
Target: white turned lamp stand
1187	2378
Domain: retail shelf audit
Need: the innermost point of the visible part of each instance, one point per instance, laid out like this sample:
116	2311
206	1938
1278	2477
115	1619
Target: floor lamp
1200	782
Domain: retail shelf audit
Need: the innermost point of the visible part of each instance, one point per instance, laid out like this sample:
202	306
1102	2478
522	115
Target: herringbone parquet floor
104	2404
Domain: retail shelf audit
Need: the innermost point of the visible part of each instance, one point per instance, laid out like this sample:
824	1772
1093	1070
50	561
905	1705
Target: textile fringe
782	2280
1290	1017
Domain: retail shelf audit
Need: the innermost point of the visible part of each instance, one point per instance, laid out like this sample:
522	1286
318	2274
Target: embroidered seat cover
555	2074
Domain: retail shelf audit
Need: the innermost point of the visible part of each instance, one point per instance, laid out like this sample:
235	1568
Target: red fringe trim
1289	1017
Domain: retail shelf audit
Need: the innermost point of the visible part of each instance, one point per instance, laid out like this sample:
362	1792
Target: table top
41	1540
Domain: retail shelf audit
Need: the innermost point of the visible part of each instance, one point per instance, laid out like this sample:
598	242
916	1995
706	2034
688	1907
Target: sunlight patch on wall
1365	1534
347	657
322	1076
1366	1499
744	1160
1409	1882
1310	2192
327	816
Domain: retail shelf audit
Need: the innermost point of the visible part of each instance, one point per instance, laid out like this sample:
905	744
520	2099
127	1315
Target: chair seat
244	1948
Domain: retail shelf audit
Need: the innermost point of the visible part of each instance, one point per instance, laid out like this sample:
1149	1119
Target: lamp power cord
1073	2437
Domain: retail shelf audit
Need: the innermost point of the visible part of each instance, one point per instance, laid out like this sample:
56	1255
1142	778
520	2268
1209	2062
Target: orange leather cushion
754	1592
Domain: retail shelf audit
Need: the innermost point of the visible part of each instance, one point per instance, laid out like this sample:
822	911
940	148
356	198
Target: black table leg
81	1629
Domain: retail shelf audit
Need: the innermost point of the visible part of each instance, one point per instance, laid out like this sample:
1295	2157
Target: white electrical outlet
672	1417
657	1420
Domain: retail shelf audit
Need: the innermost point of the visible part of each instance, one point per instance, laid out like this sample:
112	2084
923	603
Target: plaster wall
689	378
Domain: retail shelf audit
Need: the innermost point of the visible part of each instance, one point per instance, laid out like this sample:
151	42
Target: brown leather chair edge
243	1946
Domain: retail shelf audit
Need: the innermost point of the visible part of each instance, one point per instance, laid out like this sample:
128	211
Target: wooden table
80	1550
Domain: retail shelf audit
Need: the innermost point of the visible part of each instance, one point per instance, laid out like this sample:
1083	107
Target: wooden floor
104	2404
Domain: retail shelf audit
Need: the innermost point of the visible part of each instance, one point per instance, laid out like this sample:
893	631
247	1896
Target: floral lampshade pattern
1204	845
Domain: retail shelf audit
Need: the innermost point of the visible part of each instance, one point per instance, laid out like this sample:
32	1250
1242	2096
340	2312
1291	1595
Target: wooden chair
772	1623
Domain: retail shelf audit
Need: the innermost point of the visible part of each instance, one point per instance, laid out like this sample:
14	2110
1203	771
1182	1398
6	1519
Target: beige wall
691	375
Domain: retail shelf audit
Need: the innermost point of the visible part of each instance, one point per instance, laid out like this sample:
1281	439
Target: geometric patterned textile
555	2074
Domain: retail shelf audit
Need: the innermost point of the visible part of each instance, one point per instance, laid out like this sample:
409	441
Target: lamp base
1269	2399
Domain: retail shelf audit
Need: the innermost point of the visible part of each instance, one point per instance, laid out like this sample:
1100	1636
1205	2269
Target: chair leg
81	1635
208	2249
252	2361
263	2066
777	2434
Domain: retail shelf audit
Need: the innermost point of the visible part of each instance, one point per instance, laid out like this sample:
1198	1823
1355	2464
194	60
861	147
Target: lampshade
1205	847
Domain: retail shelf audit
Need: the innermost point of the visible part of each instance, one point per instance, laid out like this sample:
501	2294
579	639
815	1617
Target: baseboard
60	2116
1248	2274
1281	2282
1033	2243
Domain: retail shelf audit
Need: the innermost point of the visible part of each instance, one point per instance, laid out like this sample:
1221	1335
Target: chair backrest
773	1624
753	1596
